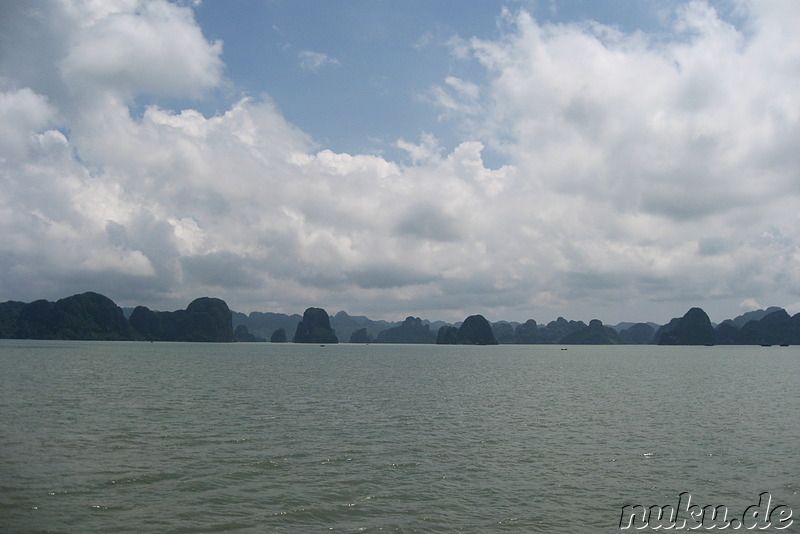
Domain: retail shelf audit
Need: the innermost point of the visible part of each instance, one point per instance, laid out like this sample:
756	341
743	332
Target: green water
159	437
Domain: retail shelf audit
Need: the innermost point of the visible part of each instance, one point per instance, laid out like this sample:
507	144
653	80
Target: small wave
144	479
266	464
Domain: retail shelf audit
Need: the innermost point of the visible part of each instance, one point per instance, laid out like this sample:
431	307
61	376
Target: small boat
564	348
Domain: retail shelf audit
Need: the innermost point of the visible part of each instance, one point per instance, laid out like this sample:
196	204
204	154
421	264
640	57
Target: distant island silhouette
92	316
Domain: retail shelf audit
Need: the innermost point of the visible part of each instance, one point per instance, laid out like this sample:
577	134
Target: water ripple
99	437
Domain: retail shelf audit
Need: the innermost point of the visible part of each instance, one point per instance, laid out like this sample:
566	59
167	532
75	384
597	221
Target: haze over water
159	437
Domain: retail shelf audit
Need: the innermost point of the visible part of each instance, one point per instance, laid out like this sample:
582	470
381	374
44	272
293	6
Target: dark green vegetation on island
92	316
242	333
412	330
530	333
278	336
475	330
594	334
637	334
360	336
315	328
87	316
694	328
205	319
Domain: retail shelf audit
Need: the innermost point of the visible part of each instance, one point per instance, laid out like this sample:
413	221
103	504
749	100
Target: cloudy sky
611	159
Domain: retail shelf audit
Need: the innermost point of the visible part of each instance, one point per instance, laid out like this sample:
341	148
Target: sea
99	437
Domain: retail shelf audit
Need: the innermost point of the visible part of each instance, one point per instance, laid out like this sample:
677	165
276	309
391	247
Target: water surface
171	437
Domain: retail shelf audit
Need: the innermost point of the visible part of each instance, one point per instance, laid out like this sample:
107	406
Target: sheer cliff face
694	328
476	330
89	316
210	319
315	328
205	319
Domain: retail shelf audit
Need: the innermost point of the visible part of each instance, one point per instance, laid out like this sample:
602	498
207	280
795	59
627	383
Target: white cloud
22	112
749	305
136	47
633	147
427	151
458	97
643	174
313	61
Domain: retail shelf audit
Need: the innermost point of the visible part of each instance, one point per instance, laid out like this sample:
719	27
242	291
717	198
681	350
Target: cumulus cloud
426	221
636	146
139	47
22	113
644	173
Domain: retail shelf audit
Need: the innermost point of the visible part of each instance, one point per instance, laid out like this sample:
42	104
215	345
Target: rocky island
92	316
315	328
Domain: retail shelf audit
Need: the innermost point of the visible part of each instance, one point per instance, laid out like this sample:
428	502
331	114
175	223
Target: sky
623	160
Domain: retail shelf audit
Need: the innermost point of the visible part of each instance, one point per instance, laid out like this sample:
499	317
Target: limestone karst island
92	316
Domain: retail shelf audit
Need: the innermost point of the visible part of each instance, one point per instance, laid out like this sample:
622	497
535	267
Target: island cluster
92	316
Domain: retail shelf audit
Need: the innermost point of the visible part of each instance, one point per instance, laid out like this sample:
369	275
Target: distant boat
784	344
766	345
563	348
